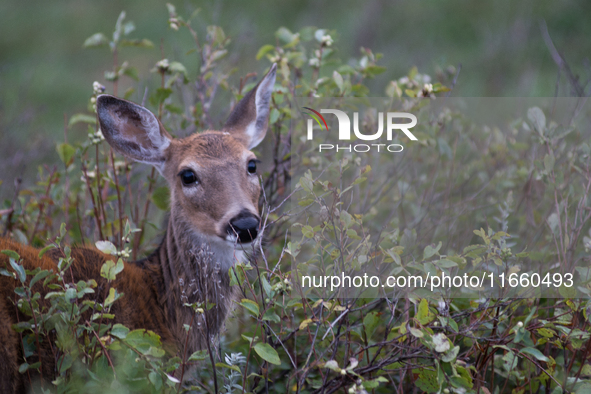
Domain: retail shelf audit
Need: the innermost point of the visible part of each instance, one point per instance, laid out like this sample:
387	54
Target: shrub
294	341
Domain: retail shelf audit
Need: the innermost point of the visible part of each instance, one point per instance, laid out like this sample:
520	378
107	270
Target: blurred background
46	74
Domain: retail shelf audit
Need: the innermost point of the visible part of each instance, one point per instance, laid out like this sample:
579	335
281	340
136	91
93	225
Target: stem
42	206
98	186
104	350
36	334
94	206
118	200
8	227
67	186
115	82
185	352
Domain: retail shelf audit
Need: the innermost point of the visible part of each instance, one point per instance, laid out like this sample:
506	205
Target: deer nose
245	226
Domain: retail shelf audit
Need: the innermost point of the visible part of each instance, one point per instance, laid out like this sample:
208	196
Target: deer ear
249	120
132	130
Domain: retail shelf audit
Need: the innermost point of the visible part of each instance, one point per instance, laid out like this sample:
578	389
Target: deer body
214	194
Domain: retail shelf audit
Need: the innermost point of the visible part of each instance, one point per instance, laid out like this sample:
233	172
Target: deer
213	222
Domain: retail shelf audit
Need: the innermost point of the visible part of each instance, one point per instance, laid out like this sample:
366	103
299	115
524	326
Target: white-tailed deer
214	194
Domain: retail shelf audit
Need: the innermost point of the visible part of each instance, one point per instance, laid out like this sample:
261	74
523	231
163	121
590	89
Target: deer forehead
210	149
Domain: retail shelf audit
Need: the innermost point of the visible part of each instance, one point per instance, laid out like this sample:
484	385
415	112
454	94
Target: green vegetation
280	341
44	71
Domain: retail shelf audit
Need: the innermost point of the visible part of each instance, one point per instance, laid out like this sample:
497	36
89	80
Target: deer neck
194	269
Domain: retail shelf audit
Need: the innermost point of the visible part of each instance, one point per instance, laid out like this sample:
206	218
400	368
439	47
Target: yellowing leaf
250	306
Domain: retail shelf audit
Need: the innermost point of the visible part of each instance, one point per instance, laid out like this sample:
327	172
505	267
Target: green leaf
567	292
106	247
306	202
267	353
430	250
66	153
372	70
70	294
112	297
22	326
65	362
199	355
308	231
453	324
40	275
416	332
450	355
178	67
306	183
444	148
338	79
236	276
333	365
264	50
161	198
424	315
537	117
270	315
444	263
534	352
132	73
4	272
370	323
373	384
146	342
159	96
119	331
224	365
274	116
143	43
96	40
285	35
109	270
11	253
216	34
546	332
84	118
266	286
427	380
45	250
251	306
156	380
410	93
20	271
549	162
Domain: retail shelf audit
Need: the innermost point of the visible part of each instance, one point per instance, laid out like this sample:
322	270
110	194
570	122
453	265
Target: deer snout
245	226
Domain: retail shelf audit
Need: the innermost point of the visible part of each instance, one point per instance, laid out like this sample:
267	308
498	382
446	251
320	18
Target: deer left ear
249	120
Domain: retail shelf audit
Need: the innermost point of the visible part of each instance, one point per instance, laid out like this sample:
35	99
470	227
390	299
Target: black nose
245	226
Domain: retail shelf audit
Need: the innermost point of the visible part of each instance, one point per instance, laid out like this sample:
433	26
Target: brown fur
191	264
149	302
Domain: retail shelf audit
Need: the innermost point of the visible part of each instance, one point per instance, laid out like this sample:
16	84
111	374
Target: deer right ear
132	130
249	120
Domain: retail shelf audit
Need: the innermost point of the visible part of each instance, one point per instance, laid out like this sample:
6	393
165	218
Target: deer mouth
244	228
241	237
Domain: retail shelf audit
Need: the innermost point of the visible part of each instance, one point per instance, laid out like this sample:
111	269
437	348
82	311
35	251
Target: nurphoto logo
345	130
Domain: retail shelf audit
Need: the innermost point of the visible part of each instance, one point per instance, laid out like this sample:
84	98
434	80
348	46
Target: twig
559	60
453	83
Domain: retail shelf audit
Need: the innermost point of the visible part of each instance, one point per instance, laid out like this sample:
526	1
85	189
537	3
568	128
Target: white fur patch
228	252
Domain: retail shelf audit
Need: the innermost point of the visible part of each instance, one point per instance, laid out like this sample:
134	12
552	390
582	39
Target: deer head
212	176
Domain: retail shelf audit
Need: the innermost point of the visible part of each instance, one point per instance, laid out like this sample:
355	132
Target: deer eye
251	167
188	177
